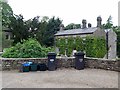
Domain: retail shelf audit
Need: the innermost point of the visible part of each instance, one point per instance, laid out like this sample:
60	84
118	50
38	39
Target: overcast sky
70	11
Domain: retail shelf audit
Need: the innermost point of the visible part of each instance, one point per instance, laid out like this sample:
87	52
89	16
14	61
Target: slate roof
76	31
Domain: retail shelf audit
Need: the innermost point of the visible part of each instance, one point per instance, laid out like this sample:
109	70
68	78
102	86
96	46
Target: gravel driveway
64	78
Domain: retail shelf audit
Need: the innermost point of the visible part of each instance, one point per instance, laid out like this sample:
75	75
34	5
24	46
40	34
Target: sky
70	11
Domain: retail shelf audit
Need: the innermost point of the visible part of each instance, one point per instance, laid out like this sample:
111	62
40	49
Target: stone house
109	35
7	33
6	38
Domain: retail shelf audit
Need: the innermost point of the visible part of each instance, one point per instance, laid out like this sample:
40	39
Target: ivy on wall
93	46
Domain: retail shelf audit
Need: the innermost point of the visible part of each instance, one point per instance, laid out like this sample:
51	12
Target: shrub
28	49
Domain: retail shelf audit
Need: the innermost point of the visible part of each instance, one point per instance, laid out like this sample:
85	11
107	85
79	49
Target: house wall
99	33
112	44
6	43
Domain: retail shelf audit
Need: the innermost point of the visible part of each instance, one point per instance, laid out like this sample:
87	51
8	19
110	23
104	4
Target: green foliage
109	24
52	27
72	26
93	46
43	30
69	44
7	13
19	28
33	26
29	49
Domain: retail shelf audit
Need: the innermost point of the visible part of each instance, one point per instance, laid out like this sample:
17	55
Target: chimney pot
99	21
89	25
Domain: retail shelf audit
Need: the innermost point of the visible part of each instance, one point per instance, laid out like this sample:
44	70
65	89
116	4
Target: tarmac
61	78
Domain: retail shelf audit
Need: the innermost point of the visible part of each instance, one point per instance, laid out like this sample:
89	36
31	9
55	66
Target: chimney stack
84	22
99	21
61	27
89	25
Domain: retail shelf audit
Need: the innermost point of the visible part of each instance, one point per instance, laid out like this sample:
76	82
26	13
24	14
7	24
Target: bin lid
26	64
30	62
79	53
52	53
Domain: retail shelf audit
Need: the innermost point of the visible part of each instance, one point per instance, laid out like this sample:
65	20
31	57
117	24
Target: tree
52	27
42	30
7	13
33	26
45	19
18	28
72	26
37	28
109	24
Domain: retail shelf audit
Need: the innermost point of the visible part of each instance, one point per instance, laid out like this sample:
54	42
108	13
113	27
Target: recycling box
25	67
33	67
42	67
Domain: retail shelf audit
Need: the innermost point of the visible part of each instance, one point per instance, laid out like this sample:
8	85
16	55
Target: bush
28	49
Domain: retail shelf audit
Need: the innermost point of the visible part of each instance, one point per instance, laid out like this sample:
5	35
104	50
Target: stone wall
95	63
15	63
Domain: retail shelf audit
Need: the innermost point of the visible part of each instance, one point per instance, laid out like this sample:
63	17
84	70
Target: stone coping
59	58
101	59
22	58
